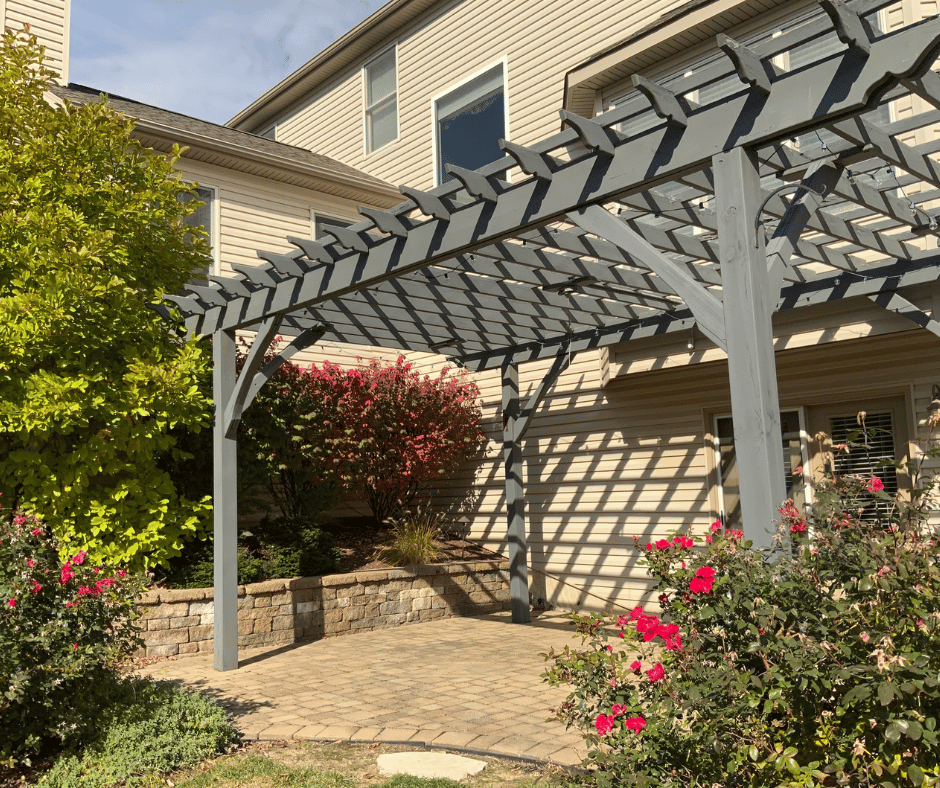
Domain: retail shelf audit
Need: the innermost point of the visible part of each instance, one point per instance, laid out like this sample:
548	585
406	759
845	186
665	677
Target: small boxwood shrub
816	665
63	627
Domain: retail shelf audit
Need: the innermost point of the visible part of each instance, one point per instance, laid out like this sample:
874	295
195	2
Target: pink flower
68	604
79	558
621	621
865	637
36	531
84	591
662	544
36	588
649	546
798	528
703	581
66	574
656	672
736	534
30	563
708	538
604	724
646	626
121	573
12	603
617	709
875	485
705	571
635	666
636	613
634	724
716	526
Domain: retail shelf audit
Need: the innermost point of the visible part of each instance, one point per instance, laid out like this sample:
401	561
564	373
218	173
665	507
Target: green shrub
813	666
278	547
63	627
413	539
147	727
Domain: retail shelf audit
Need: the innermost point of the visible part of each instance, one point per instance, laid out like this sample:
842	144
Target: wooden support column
748	307
225	506
515	498
516	420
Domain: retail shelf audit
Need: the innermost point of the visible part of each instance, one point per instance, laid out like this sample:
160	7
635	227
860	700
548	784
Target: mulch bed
359	540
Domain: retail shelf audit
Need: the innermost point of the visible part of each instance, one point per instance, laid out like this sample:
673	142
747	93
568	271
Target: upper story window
270	133
381	98
206	216
469	121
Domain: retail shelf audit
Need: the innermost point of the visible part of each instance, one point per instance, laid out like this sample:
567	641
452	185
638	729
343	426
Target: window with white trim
795	458
469	121
269	133
381	100
205	216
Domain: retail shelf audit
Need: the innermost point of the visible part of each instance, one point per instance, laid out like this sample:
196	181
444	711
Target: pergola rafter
602	236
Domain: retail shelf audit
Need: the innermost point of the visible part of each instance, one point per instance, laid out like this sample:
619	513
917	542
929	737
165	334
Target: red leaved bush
390	430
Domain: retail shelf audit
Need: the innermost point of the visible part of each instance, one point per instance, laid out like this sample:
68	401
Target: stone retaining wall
283	611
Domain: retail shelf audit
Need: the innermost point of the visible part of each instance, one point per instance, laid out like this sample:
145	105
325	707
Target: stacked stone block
178	622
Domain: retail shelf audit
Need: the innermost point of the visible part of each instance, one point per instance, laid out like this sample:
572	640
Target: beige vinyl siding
441	51
257	213
48	21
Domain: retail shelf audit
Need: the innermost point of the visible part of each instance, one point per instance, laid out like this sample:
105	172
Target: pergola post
225	506
748	308
516	420
515	497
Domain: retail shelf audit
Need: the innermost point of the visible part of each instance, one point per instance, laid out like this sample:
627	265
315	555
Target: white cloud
207	58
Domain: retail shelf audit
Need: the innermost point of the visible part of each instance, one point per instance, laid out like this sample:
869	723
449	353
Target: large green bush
63	627
814	665
91	381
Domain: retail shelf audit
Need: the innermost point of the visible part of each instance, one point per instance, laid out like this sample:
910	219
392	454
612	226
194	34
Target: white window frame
269	132
366	107
436	157
215	225
804	454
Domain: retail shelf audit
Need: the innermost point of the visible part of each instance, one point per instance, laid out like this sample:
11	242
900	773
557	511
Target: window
469	121
205	216
381	99
876	444
793	445
322	225
270	133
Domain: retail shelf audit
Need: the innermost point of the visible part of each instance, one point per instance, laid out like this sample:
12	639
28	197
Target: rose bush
63	627
816	665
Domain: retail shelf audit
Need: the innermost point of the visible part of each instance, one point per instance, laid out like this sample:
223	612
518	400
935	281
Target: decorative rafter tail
284	264
259	274
385	222
665	103
314	250
530	161
747	65
429	204
849	26
593	135
350	239
476	184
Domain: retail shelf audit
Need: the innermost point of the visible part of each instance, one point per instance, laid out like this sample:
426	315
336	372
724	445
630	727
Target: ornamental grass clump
64	625
815	664
414	538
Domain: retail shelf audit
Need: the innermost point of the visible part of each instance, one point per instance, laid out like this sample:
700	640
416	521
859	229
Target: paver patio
459	683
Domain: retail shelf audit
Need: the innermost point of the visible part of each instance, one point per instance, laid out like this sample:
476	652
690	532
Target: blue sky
207	58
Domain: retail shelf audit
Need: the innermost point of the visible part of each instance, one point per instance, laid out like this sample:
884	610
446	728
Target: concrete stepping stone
430	764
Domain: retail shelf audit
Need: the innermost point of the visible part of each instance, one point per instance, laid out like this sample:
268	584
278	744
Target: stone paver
455	683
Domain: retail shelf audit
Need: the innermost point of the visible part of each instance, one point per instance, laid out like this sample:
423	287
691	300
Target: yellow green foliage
90	379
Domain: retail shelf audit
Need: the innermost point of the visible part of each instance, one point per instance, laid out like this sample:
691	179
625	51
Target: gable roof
239	150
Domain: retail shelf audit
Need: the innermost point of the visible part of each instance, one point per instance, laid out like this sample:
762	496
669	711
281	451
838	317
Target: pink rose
604	724
656	672
12	603
634	724
635	666
875	485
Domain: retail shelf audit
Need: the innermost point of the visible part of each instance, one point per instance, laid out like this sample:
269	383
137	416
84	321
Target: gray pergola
658	216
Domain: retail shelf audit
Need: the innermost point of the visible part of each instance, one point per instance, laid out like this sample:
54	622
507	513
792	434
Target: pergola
657	216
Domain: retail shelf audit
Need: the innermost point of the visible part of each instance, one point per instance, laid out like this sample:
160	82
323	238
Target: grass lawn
337	765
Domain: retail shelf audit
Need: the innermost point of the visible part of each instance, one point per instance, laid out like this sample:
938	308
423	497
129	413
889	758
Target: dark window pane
322	225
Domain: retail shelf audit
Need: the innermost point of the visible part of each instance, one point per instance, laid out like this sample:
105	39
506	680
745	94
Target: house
632	439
